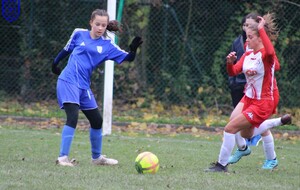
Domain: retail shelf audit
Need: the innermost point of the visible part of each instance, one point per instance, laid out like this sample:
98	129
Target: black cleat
217	167
286	119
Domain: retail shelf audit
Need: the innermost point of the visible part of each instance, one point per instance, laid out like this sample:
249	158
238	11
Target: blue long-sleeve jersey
86	55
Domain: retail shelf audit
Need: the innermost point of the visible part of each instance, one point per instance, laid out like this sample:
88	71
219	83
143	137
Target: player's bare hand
231	57
261	22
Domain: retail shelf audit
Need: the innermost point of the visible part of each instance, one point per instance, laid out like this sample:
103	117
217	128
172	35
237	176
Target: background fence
181	62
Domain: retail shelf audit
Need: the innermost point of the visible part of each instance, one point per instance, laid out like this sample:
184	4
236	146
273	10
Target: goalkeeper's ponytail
114	26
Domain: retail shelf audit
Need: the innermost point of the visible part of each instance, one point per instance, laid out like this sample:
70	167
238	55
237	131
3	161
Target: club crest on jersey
251	72
99	49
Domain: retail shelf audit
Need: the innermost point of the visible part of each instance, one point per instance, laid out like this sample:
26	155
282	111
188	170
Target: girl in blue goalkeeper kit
87	50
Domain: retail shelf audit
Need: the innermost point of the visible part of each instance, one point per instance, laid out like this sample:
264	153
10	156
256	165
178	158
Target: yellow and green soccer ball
146	162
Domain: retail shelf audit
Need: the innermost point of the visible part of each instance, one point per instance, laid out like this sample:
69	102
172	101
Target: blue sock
96	142
66	140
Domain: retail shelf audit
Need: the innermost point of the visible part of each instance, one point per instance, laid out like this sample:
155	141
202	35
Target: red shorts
257	111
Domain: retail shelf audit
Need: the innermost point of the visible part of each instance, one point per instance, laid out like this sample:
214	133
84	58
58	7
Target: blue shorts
70	93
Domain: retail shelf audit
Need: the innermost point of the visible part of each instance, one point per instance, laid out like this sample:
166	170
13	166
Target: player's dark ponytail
114	26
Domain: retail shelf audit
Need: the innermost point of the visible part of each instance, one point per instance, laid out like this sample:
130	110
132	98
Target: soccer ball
146	162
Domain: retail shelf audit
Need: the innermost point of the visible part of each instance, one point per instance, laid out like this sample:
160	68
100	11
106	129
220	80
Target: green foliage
184	49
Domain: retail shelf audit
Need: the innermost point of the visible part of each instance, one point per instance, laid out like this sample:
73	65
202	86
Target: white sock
267	124
268	145
240	141
226	148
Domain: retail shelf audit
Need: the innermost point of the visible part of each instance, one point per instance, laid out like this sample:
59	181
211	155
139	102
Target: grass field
27	161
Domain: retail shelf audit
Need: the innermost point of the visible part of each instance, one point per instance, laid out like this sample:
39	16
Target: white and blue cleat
254	141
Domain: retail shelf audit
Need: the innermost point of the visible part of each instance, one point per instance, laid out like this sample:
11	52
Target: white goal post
108	78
